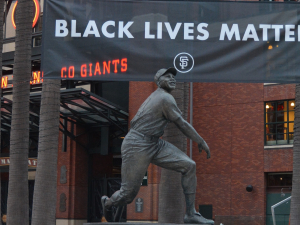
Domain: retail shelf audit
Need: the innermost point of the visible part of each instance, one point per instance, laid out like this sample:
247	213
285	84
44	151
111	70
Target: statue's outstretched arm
192	134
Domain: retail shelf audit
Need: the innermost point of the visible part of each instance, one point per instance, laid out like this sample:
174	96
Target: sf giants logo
183	62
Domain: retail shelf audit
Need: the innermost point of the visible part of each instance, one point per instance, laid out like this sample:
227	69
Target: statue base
133	223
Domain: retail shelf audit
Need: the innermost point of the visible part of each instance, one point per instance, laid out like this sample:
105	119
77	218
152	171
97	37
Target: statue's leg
135	162
107	210
118	215
170	157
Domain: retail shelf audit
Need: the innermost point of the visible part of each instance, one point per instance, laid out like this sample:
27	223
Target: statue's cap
163	71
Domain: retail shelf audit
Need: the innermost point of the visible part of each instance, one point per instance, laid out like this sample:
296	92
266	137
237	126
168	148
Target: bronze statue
142	146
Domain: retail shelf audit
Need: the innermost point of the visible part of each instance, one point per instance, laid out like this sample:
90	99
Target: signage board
5	161
139	202
205	41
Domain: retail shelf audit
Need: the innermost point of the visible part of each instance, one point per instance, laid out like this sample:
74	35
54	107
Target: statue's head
165	78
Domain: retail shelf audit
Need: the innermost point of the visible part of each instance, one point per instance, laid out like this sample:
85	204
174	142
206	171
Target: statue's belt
143	136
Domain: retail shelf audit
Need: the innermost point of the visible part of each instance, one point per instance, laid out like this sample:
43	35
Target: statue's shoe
197	218
107	213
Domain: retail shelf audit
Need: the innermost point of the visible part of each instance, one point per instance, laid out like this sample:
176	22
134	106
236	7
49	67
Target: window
280	180
279	122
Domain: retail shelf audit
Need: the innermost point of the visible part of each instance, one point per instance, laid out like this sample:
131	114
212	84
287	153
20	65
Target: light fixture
36	15
280	178
267	106
293	104
249	188
270	47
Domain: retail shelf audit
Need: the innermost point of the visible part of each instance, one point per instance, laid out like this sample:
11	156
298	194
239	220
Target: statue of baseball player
142	146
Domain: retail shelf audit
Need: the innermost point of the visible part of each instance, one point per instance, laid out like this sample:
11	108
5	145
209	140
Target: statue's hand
204	146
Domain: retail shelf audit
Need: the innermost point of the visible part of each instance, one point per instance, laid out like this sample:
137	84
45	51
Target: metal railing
278	204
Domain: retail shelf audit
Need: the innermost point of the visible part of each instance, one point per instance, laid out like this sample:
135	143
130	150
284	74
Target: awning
78	106
88	109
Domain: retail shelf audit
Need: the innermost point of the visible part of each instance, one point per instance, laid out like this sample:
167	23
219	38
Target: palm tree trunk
18	203
2	4
171	198
44	198
295	202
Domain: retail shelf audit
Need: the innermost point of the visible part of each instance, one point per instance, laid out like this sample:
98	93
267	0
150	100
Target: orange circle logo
36	14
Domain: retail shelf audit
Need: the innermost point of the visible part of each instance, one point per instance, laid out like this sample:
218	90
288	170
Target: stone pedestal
134	223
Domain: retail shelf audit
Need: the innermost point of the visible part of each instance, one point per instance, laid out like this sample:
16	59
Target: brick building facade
230	117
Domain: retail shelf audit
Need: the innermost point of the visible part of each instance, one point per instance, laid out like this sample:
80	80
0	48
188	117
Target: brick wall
278	160
76	188
279	92
230	118
149	194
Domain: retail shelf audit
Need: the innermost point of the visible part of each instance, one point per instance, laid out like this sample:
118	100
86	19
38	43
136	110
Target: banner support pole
191	117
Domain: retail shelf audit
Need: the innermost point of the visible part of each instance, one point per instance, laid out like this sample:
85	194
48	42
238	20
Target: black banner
205	41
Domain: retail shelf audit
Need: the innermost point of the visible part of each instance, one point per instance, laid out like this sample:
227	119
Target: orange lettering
106	66
90	73
64	69
115	63
36	77
4	82
83	70
97	69
124	65
71	72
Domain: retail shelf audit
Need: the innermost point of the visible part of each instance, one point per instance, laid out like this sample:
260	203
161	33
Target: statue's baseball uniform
142	146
